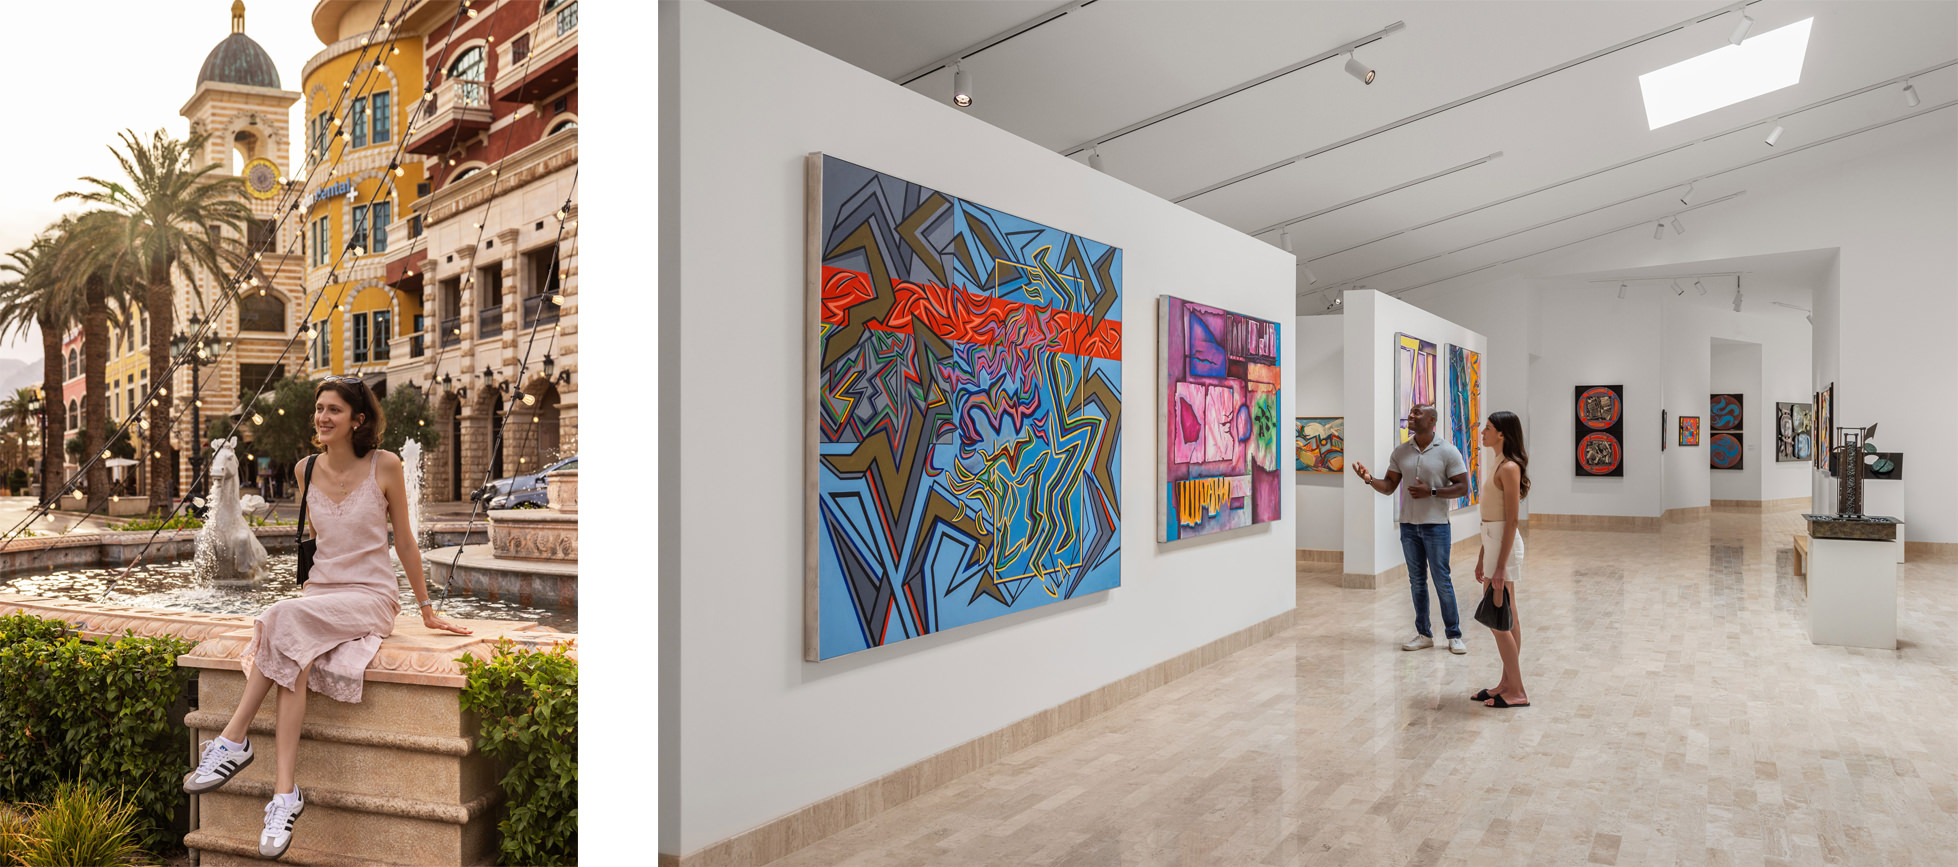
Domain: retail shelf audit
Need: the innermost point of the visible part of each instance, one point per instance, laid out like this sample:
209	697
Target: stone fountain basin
534	534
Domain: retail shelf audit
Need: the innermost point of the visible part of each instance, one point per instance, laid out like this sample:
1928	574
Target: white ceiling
1577	157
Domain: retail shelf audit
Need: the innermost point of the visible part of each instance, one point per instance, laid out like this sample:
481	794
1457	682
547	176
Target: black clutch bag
307	546
1501	618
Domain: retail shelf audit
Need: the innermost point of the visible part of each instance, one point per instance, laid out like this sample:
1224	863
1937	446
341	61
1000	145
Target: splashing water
411	464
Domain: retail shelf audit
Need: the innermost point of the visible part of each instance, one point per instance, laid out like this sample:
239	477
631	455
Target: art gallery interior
982	542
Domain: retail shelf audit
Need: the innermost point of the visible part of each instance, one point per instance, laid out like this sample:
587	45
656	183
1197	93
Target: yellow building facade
359	92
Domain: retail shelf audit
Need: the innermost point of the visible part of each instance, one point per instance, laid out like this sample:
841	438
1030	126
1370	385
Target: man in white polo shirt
1436	475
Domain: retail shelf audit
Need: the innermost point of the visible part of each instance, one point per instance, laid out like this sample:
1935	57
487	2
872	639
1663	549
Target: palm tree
90	260
34	298
171	217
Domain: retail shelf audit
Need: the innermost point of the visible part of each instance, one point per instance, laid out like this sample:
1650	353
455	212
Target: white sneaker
1456	645
278	824
1418	642
217	767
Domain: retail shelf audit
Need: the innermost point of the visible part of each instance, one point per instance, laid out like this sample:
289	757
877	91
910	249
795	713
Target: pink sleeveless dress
351	599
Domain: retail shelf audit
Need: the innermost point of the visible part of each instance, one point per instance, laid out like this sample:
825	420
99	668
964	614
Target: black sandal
1483	695
1500	702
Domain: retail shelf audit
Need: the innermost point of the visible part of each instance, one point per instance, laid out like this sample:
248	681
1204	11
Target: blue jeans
1426	548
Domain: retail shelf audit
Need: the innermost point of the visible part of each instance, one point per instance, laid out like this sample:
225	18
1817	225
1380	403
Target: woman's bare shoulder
389	460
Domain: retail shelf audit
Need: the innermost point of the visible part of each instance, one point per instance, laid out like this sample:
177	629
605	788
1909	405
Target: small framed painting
1689	430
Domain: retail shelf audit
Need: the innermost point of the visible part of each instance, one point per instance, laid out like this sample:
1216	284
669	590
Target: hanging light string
332	271
249	267
496	438
249	271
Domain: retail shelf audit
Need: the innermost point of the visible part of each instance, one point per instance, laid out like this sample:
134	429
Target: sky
124	64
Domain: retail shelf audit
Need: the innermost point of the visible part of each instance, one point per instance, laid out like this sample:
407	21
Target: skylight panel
1726	75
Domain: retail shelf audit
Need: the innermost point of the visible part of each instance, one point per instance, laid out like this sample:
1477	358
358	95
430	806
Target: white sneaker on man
1418	642
279	816
218	765
1457	646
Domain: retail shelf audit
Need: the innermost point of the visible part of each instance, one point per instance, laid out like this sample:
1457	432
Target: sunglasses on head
341	377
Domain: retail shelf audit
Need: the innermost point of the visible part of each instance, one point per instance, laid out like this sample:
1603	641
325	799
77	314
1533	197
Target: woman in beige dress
1500	563
324	639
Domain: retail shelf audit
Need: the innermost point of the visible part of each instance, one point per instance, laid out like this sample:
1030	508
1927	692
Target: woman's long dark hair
1511	428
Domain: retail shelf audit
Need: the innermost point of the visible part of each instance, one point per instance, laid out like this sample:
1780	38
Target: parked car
508	492
521	482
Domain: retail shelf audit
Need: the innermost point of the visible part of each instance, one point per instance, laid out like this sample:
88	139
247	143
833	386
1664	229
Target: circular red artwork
1598	408
1599	453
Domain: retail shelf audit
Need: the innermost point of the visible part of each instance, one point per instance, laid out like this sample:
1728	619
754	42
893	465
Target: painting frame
1219	377
1464	413
1689	430
910	292
1415	379
1794	431
1319	444
1599	418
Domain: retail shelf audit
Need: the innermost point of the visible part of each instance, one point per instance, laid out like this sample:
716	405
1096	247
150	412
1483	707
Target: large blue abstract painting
965	370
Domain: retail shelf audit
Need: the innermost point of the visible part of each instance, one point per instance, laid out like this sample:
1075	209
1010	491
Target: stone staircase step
407	769
363	828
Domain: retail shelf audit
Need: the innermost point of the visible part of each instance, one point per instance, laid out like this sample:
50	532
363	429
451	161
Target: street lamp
203	352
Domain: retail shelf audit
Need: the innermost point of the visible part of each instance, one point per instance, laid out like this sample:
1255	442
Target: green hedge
96	713
528	702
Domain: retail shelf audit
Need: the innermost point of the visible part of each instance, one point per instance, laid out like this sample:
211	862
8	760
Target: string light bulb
529	399
257	419
282	411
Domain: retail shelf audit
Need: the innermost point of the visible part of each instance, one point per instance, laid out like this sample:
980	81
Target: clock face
262	178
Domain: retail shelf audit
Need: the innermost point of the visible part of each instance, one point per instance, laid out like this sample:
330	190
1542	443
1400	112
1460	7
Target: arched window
73	366
562	126
465	173
262	313
467	72
74	415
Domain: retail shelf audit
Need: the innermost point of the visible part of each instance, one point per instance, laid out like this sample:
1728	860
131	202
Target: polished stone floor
1681	717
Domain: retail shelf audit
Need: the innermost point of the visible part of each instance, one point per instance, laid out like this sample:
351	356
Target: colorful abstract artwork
1723	450
1464	414
1600	430
1725	417
1794	432
1724	412
1320	444
965	382
1219	420
1414	379
1825	427
1689	430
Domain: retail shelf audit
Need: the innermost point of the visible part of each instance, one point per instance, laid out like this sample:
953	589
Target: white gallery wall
760	732
1320	372
1372	533
1881	319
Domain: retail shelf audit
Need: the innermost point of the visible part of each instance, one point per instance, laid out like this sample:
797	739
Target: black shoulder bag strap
299	533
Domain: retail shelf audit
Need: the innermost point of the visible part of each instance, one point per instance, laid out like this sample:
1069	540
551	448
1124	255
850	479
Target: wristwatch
427	603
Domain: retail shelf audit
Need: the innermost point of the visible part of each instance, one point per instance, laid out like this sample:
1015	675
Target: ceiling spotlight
1677	229
1339	300
1658	231
1357	69
1910	94
961	86
1736	299
1621	290
1686	198
1700	286
1676	288
1310	278
1740	29
1773	136
1094	159
1285	238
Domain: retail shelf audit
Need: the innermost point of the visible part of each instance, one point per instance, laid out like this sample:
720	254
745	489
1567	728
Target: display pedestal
1852	590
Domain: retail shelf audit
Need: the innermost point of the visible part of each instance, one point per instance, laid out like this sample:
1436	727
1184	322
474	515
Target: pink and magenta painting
1220	420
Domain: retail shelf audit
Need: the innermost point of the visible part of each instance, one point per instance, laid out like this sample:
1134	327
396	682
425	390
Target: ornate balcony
541	60
460	109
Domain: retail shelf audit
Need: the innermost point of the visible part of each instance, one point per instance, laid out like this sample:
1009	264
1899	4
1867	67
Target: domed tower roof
239	59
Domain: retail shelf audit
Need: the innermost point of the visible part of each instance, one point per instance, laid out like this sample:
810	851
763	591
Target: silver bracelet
428	603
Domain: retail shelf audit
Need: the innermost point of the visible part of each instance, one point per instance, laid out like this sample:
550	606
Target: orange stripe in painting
967	318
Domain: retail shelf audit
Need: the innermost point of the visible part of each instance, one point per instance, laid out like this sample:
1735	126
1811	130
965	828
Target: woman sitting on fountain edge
326	637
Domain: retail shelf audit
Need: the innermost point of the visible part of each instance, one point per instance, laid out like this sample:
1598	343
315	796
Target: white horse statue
227	543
